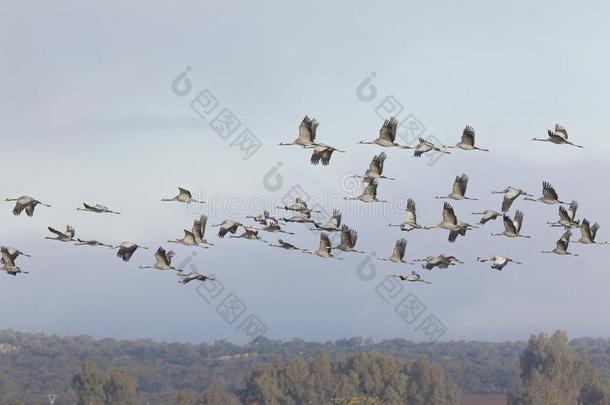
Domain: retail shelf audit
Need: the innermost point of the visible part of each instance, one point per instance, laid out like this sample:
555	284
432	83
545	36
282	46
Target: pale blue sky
87	114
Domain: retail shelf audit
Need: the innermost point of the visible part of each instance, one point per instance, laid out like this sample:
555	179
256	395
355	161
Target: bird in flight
8	262
163	260
559	137
549	195
26	203
194	276
487	215
250	233
302	217
398	254
227	226
66	236
188	240
588	233
467	141
458	192
324	248
442	261
307	133
375	170
349	237
425	146
184	196
387	135
410	222
497	262
510	194
567	217
369	193
97	208
333	225
298	205
512	227
322	153
413	277
288	246
451	223
198	230
91	242
561	247
127	249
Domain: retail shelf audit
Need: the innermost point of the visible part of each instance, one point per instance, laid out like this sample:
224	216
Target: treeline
34	365
552	373
359	378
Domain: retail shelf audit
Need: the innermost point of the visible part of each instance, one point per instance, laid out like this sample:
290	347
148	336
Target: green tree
187	397
216	395
553	374
321	380
89	385
428	385
120	388
263	387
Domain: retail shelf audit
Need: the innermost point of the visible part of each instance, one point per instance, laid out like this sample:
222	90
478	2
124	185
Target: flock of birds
301	213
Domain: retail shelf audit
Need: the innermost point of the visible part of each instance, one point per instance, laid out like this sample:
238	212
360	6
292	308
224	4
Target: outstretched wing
468	136
70	231
400	248
594	230
376	165
307	129
19	208
563	214
509	226
561	132
460	185
160	255
371	189
55	231
7	259
185	192
349	236
317	155
508	201
326	155
518	221
548	191
449	214
325	243
564	241
572	210
388	130
29	209
336	218
410	215
125	253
